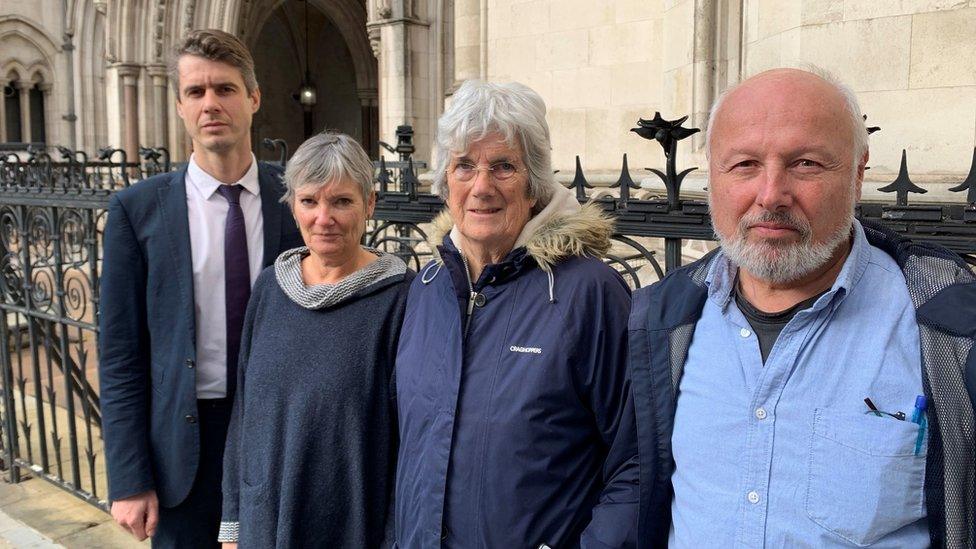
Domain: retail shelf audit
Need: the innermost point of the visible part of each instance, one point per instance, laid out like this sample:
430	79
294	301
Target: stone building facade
95	69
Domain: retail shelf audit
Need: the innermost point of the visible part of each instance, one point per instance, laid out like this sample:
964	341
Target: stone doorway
344	77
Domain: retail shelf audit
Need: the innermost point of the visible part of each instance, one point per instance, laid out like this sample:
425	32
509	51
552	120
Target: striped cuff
228	532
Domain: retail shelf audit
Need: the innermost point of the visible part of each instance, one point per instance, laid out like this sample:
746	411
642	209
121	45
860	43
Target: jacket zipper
471	296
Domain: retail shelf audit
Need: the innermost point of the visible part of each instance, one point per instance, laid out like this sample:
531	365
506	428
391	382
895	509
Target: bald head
800	89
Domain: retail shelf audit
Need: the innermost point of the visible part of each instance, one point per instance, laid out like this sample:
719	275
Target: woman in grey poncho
311	450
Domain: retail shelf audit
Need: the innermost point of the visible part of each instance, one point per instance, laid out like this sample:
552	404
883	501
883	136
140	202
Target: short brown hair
215	45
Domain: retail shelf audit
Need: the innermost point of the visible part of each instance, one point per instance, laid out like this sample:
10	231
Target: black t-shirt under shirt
768	326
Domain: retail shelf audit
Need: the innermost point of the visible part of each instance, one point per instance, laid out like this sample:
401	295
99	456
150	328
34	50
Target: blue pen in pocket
918	417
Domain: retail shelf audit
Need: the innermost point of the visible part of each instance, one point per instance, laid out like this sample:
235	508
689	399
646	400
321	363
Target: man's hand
227	545
138	514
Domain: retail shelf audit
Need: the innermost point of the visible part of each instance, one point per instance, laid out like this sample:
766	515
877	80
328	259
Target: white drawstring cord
423	276
425	280
552	285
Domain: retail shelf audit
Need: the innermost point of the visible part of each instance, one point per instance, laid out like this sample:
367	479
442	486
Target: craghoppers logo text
530	350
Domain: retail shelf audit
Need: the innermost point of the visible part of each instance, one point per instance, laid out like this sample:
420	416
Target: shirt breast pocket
865	480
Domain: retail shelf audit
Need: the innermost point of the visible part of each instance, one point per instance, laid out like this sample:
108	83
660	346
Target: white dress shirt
207	211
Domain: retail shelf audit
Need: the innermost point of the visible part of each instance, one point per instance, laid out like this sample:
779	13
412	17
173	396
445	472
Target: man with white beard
811	383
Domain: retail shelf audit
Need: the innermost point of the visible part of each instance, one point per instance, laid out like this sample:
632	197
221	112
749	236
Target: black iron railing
644	222
52	211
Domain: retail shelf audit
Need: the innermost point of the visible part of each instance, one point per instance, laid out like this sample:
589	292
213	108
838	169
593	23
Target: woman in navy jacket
516	420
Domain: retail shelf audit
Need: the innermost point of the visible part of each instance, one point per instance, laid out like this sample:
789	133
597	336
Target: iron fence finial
667	133
579	182
384	177
968	183
902	185
273	144
626	183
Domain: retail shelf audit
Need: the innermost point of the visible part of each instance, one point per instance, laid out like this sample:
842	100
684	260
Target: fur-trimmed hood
561	230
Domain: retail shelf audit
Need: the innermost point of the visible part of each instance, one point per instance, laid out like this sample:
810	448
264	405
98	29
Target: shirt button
760	413
744	333
191	419
480	300
753	497
189	363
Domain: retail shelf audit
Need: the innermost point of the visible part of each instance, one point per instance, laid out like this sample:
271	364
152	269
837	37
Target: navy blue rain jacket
520	432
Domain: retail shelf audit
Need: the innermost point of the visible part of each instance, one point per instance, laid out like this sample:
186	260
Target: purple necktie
237	278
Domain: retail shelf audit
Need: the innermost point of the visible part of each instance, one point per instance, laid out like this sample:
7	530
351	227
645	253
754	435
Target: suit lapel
173	213
271	191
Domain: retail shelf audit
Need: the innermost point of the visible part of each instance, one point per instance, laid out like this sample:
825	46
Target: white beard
782	263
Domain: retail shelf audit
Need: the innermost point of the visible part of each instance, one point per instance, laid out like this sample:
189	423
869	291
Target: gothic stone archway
342	66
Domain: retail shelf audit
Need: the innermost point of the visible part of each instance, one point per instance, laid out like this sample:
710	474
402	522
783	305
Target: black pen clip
872	406
900	416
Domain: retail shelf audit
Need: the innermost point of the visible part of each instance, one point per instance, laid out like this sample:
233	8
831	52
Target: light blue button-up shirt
784	455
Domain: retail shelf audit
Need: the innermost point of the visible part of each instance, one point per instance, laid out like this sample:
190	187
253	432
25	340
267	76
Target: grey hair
852	107
511	109
326	158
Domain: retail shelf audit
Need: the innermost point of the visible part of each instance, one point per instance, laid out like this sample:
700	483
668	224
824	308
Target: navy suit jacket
147	332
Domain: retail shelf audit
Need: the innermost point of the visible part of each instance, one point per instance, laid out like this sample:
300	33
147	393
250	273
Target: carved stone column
400	38
25	129
129	76
160	80
703	69
47	120
467	40
369	115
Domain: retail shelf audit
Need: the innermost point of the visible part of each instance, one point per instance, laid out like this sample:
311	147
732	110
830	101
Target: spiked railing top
969	183
902	185
579	182
625	183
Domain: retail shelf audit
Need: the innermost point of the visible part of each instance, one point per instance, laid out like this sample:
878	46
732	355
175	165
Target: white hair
326	158
852	107
511	109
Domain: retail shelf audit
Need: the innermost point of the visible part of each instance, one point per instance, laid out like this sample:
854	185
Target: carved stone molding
373	33
159	23
386	12
189	9
367	96
129	72
157	71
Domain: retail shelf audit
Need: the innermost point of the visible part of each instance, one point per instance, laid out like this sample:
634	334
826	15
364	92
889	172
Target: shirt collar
207	185
722	272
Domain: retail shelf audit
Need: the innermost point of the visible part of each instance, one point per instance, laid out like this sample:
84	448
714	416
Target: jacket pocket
865	480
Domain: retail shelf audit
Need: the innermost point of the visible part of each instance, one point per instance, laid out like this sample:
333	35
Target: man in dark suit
181	251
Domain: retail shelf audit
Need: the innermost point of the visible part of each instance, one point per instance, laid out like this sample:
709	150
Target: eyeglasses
499	171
